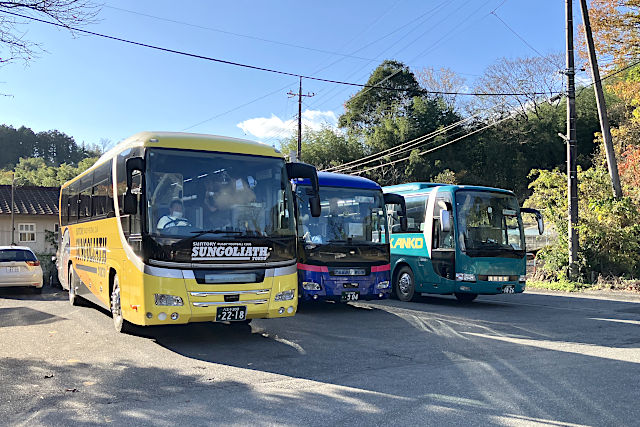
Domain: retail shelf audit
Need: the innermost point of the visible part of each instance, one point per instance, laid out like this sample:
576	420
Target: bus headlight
465	277
285	295
383	285
163	299
311	286
522	278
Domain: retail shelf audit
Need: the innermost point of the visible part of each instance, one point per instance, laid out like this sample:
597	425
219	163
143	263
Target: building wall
41	223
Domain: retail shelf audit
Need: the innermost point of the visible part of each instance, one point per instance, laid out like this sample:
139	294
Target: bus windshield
488	223
349	215
192	193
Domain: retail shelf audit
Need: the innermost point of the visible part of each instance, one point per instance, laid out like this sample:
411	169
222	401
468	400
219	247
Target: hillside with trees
44	158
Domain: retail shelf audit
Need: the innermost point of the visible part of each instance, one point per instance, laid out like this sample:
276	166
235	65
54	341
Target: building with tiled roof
35	211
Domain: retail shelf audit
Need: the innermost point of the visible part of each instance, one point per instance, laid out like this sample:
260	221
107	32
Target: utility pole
602	106
572	172
300	95
13	226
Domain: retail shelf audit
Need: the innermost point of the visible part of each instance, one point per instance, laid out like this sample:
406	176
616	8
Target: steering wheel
186	222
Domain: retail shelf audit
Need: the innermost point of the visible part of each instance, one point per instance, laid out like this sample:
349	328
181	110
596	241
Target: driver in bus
175	217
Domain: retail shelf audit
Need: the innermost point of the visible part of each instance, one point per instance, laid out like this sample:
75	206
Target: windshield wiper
197	234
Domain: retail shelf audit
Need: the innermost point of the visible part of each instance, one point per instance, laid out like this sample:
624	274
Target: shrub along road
508	359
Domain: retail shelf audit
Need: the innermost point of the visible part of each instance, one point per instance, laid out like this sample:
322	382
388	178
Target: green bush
608	228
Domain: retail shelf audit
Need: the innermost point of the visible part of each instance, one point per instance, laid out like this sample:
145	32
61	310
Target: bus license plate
231	314
13	269
509	289
350	296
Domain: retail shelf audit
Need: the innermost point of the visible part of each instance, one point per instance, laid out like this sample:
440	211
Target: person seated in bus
175	217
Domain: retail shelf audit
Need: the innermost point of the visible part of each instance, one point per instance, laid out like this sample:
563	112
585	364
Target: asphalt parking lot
530	359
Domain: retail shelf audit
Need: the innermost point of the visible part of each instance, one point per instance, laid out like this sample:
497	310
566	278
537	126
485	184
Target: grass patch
560	285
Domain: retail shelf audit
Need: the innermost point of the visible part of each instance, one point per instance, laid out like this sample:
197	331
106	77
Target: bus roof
330	179
187	141
422	187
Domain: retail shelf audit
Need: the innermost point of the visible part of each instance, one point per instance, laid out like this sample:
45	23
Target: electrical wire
434	148
255	67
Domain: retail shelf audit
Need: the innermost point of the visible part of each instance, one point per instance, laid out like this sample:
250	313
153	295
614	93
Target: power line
522	39
255	67
217	30
434	148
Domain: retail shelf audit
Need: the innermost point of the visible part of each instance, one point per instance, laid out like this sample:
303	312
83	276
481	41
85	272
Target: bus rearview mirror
404	224
445	221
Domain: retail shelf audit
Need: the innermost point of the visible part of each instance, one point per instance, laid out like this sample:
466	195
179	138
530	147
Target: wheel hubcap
404	283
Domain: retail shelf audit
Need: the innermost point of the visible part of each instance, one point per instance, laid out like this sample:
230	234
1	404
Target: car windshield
488	221
188	192
348	215
8	255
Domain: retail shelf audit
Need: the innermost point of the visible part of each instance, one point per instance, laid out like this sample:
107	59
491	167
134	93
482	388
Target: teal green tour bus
461	240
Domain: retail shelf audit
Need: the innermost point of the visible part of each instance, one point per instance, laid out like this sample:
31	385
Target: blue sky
93	89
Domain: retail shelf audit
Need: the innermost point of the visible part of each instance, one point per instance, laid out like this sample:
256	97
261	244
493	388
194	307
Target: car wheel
404	285
465	298
119	323
73	297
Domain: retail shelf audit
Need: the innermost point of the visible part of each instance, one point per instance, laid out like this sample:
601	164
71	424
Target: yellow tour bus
170	228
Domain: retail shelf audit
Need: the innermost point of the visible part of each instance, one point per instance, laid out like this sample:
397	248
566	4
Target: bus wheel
463	298
405	285
73	298
119	323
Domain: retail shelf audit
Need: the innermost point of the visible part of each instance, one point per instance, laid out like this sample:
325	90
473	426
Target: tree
13	44
442	80
325	147
616	30
536	77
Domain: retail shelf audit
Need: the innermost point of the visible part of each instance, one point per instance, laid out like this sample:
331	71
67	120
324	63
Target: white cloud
274	126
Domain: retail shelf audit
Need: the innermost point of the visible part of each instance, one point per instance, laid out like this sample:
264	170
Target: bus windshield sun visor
303	170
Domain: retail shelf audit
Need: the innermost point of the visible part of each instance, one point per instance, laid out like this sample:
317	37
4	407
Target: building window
27	232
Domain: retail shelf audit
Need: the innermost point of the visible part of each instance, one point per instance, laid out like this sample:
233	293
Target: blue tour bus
343	255
461	240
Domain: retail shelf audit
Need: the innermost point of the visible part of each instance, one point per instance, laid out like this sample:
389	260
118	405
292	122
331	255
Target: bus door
443	254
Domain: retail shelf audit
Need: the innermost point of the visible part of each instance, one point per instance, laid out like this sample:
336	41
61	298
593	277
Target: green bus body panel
411	249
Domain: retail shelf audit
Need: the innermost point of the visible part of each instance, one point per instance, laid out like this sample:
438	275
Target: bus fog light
315	297
465	288
162	316
522	279
281	310
174	316
380	295
311	286
290	310
149	315
171	300
383	285
285	295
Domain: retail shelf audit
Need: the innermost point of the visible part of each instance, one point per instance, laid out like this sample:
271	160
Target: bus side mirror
445	221
539	219
130	203
396	199
314	206
130	200
302	171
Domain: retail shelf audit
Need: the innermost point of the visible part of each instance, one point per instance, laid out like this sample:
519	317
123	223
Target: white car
19	267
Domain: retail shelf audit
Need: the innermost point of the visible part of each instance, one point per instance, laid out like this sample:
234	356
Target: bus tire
404	285
74	300
119	323
465	298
